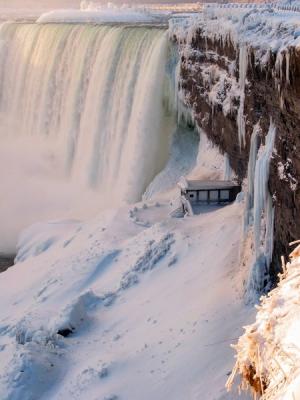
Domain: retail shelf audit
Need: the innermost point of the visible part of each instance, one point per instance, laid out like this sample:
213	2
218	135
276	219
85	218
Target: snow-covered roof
208	185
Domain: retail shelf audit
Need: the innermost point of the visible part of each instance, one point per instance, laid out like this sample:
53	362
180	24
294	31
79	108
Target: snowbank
268	354
131	305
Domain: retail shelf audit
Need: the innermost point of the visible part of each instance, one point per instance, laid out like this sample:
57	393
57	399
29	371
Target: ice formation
263	211
268	358
114	299
250	177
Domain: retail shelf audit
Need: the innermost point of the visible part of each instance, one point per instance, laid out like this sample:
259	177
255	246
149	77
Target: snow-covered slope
148	304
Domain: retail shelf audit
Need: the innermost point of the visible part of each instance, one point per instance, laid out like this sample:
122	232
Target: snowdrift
131	305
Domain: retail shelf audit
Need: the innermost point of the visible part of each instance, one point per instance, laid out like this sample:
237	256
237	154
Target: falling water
97	91
96	99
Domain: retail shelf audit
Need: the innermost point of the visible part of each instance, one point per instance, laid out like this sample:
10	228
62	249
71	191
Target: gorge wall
234	87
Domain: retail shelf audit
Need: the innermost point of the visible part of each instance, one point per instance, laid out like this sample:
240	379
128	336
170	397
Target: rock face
6	261
210	80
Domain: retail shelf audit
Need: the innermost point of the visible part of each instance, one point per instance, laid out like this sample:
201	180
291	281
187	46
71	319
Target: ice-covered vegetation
268	357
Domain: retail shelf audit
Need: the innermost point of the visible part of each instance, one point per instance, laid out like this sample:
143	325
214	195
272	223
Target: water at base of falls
85	119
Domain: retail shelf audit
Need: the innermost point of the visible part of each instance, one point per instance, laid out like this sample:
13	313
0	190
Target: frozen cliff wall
240	75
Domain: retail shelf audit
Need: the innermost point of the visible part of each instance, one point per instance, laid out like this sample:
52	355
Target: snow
211	164
222	89
133	303
120	305
284	173
268	351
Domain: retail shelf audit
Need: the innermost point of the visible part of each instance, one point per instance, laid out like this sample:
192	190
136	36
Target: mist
38	4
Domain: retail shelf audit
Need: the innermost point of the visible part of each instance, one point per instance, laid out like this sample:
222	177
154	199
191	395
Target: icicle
263	224
261	192
243	66
278	65
287	67
250	177
228	172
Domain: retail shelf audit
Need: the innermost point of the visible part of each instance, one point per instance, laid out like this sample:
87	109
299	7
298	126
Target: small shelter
198	192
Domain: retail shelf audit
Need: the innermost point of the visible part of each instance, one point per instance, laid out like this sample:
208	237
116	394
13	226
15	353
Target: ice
263	214
251	176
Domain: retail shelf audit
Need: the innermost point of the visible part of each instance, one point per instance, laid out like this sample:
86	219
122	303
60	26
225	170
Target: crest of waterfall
259	203
98	92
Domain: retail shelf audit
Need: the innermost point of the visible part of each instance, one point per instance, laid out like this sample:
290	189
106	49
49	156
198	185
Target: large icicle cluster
251	176
259	212
268	354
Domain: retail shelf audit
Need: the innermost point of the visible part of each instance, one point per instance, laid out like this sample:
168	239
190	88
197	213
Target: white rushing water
84	113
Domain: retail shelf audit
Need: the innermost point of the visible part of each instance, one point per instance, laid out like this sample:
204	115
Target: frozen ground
149	304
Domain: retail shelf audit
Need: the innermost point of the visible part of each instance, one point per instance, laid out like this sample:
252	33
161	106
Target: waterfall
98	91
88	106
